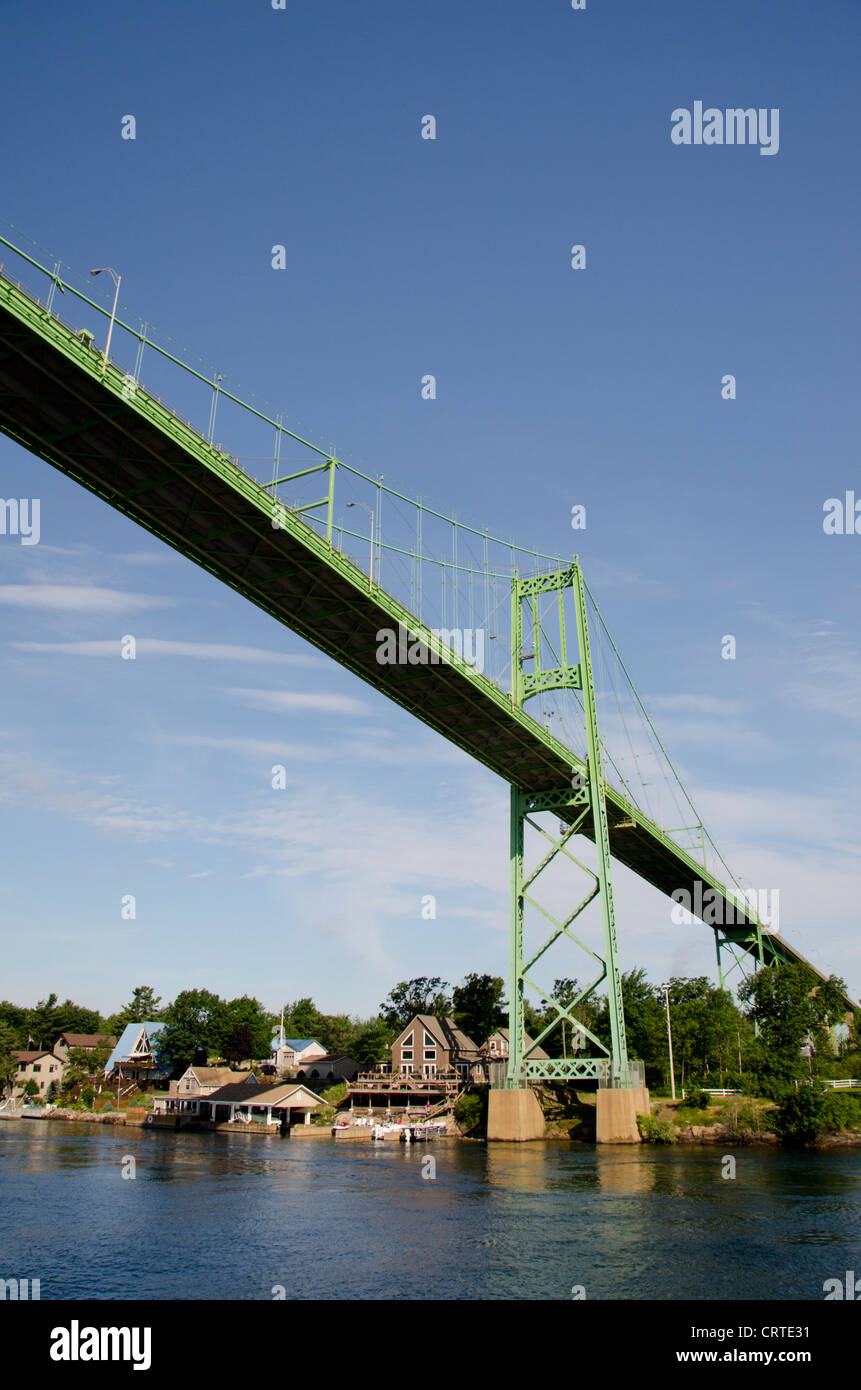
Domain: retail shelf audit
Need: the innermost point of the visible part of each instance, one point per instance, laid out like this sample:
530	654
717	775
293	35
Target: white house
289	1053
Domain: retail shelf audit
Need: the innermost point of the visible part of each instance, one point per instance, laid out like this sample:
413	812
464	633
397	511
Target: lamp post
371	567
116	279
666	990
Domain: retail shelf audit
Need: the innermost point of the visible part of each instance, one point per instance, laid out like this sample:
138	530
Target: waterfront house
334	1068
87	1042
290	1053
431	1061
135	1057
250	1104
41	1066
430	1045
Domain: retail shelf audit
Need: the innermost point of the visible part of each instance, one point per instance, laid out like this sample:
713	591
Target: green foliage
811	1111
199	1024
87	1063
471	1110
8	1062
371	1043
654	1131
31	1089
333	1092
789	1003
143	1007
479	1007
303	1019
193	1027
13	1025
703	1100
741	1121
423	995
88	1095
49	1019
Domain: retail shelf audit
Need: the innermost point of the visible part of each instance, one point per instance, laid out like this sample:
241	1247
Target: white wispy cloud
155	646
284	701
78	598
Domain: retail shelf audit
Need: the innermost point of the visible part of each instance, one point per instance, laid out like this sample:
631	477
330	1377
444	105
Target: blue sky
602	387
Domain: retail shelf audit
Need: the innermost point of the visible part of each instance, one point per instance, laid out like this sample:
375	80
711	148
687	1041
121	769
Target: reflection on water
231	1216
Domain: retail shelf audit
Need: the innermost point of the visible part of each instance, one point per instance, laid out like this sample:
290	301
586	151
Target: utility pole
666	990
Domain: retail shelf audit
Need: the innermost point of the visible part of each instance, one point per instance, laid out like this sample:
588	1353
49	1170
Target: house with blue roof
289	1053
135	1057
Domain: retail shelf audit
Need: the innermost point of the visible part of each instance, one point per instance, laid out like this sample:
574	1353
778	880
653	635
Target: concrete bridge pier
514	1115
616	1114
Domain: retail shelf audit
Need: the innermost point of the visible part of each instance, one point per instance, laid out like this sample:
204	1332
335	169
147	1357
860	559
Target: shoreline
702	1137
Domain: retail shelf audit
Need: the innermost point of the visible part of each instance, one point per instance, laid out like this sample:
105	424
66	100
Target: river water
247	1217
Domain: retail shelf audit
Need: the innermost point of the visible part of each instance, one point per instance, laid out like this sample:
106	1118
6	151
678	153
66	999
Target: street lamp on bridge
116	279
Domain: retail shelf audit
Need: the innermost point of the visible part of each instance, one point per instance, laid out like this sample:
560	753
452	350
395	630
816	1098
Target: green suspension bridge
501	650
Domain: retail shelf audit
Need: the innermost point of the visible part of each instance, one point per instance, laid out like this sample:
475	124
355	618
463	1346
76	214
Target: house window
406	1054
430	1054
463	1068
493	1044
430	1070
37	1066
408	1040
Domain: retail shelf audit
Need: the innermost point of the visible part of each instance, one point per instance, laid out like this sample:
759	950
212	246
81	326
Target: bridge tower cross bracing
585	802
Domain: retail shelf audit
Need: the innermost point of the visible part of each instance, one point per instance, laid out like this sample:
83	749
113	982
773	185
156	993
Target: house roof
260	1095
297	1044
444	1030
87	1040
235	1091
332	1057
221	1076
127	1047
24	1057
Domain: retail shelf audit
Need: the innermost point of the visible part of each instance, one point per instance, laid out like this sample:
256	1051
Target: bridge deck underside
150	466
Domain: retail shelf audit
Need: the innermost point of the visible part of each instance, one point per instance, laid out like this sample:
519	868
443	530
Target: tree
49	1019
706	1026
89	1062
478	1006
8	1062
143	1007
371	1043
31	1090
15	1018
239	1043
789	1004
645	1024
336	1033
302	1019
249	1014
193	1027
423	995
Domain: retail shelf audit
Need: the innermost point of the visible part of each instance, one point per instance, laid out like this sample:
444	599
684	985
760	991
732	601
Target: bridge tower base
514	1114
617	1111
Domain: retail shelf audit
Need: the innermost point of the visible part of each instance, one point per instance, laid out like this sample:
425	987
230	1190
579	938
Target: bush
656	1131
702	1101
811	1111
470	1111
